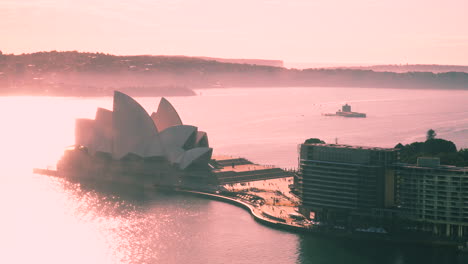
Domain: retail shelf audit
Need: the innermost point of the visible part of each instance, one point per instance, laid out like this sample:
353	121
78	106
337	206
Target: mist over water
48	220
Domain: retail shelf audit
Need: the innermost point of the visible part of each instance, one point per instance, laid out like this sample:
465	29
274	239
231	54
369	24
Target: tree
399	146
464	155
433	147
314	141
431	134
437	145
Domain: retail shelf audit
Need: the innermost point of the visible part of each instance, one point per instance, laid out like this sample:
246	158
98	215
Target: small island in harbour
346	112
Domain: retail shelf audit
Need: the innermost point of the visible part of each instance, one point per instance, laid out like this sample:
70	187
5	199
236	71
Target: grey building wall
345	178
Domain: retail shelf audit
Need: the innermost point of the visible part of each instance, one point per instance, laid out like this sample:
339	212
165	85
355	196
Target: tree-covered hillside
63	72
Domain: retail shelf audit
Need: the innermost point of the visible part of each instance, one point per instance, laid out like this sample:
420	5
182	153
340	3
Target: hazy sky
346	31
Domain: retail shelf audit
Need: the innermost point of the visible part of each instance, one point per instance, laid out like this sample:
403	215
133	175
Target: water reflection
73	223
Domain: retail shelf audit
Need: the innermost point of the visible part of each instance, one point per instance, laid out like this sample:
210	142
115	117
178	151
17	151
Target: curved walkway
255	212
259	217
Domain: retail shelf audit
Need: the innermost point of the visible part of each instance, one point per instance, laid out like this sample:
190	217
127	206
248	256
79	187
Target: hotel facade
362	187
433	197
343	184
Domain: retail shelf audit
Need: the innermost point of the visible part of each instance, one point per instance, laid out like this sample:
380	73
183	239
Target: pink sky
320	31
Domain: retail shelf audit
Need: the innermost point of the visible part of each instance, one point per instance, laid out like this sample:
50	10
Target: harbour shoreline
269	220
351	236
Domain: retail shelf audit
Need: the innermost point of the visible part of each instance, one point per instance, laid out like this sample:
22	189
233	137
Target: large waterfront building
434	198
341	183
352	186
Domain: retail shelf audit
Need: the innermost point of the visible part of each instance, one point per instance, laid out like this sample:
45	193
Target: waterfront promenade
279	211
274	216
272	197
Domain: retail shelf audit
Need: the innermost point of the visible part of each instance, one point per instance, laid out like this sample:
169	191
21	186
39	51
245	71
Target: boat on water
345	111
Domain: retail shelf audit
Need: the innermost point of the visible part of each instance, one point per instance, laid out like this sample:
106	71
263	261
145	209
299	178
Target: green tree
399	146
463	153
437	145
431	134
314	141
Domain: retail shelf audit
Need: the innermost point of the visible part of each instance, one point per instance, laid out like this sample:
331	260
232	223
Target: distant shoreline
189	92
176	92
91	91
330	86
62	70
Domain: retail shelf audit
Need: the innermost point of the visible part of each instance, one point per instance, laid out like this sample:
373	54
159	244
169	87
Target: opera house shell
129	140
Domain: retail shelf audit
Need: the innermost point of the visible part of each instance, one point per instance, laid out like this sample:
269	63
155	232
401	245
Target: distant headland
73	73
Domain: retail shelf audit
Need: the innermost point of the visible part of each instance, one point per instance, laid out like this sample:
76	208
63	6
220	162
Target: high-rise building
344	184
352	186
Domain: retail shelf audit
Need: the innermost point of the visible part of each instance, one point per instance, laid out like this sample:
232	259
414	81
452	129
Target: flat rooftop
342	146
246	165
224	157
440	167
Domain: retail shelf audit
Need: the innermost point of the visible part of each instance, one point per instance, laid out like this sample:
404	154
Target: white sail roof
128	129
182	136
202	139
133	129
102	140
196	156
175	154
166	116
84	132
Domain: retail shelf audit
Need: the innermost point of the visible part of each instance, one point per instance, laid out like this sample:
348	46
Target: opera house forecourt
127	145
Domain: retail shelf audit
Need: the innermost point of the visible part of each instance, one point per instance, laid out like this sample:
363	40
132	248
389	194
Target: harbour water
48	220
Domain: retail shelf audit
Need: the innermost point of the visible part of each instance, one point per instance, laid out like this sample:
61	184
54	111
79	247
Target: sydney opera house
128	145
